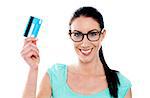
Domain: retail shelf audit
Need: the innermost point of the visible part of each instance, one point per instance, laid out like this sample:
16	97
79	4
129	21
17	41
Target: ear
102	35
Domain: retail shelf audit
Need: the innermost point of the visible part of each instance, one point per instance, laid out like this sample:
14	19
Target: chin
87	59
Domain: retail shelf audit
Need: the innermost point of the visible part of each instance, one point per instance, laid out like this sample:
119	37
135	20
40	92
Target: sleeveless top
60	89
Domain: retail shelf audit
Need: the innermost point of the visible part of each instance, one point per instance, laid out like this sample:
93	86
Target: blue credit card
33	27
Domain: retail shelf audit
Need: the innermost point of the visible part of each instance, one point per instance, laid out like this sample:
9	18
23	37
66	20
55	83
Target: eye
77	34
93	33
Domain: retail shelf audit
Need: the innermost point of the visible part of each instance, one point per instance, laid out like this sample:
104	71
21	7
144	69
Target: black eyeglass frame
100	32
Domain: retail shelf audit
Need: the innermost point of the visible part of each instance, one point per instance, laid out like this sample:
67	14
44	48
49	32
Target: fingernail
34	42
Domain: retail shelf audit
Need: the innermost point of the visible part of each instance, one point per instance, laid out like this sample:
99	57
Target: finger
33	62
28	50
30	39
26	42
31	46
31	55
34	42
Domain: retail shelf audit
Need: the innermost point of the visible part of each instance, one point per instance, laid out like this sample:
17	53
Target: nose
85	42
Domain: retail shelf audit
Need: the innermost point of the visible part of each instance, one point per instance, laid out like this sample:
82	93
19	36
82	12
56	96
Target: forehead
84	24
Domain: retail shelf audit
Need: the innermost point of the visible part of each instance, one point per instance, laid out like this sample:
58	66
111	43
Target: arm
129	94
45	88
30	54
30	87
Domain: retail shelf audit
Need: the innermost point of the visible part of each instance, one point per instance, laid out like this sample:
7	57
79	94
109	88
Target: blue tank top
60	88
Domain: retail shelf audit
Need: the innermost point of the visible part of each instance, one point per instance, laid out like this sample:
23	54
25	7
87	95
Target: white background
126	46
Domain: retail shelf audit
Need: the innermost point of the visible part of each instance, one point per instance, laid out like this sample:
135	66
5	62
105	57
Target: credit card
33	27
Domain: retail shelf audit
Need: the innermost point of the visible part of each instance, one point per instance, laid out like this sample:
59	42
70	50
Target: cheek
97	45
76	46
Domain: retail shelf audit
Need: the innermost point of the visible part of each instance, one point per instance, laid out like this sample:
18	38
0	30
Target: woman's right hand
30	53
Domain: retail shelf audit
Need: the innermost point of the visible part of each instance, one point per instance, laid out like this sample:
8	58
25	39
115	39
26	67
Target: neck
94	67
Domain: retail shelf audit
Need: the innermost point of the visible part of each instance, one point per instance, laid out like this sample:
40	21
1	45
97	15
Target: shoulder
57	74
125	84
124	81
56	68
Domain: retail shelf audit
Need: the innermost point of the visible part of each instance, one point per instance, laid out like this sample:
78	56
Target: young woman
90	77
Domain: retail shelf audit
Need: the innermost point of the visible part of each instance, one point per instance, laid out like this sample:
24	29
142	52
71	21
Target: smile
86	52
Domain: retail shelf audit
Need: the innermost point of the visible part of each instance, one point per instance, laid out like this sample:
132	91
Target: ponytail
111	77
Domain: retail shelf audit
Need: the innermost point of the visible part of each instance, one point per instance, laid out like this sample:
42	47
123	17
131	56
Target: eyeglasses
92	35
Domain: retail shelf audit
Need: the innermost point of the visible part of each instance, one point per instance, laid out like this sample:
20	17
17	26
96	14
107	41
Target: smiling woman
87	47
90	77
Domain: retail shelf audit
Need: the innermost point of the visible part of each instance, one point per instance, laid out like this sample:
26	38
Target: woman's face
87	50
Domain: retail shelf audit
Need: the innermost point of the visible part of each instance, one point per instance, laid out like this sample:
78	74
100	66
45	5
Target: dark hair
111	75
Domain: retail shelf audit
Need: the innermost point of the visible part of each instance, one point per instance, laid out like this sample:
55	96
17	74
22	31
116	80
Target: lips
86	52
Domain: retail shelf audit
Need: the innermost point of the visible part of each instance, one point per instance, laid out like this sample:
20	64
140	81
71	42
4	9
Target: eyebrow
88	31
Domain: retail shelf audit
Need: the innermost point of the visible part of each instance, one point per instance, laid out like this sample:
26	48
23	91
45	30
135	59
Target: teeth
86	51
